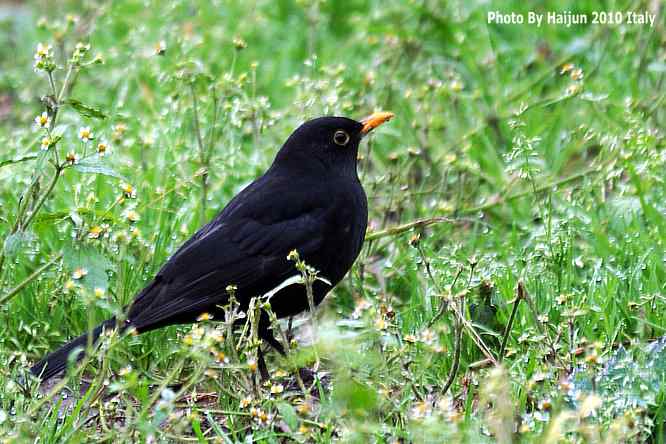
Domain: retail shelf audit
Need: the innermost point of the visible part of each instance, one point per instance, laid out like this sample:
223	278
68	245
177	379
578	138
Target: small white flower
102	148
46	143
42	120
85	134
43	51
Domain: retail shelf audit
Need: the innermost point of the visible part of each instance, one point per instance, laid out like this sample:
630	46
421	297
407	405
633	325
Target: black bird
309	200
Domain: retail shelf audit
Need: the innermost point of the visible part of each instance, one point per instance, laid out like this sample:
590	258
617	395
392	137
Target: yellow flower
42	120
132	216
72	158
263	418
128	190
245	402
567	67
99	293
576	74
160	47
573	89
204	317
590	405
46	143
118	131
43	51
252	365
85	134
95	232
410	338
239	43
79	273
102	148
303	408
456	85
277	388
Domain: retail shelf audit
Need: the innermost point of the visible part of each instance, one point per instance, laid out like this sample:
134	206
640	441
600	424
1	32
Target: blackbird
309	200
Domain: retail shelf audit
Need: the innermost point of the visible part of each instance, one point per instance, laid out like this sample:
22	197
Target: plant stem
202	153
424	222
507	330
456	359
42	199
14	291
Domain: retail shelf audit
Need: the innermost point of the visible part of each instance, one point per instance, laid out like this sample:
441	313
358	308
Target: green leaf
86	110
14	160
289	415
94	166
95	264
14	241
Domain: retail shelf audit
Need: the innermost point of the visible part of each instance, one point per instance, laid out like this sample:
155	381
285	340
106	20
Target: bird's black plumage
309	200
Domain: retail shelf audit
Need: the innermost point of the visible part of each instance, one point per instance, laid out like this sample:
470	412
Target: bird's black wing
246	246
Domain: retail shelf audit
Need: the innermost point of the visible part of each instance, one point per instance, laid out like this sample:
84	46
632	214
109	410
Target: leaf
14	160
86	110
93	166
288	415
95	264
15	241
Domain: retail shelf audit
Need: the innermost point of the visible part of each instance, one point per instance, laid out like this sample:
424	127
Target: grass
517	203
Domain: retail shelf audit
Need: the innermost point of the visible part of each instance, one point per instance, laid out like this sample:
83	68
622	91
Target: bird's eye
340	138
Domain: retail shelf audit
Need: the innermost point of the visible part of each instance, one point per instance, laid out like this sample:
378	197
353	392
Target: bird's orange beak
374	120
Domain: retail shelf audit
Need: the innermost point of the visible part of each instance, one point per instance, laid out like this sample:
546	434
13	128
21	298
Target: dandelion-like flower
128	190
577	74
263	418
79	273
204	317
118	131
69	285
456	85
590	406
102	148
303	430
132	216
567	67
43	51
42	120
239	43
72	158
95	232
160	48
85	134
574	89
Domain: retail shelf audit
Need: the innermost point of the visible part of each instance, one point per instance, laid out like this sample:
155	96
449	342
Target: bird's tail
55	362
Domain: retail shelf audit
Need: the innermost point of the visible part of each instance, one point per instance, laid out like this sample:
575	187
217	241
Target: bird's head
328	143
